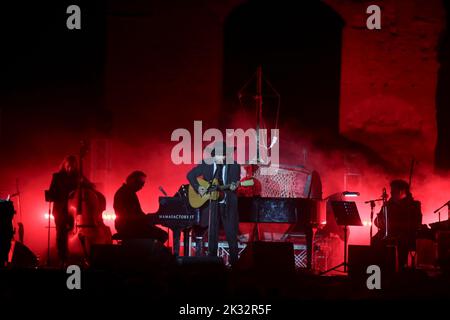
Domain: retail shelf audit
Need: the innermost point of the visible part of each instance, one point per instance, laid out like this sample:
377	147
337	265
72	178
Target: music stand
346	214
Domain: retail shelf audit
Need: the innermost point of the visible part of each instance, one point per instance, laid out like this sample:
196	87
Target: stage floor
211	282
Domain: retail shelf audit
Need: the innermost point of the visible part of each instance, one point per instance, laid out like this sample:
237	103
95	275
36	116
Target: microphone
445	204
274	140
384	196
162	191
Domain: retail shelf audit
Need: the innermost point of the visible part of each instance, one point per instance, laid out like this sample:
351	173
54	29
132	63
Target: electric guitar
214	191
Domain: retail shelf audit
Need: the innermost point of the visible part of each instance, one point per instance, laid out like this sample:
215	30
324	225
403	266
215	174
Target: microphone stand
372	206
48	233
50	212
216	204
438	210
19	204
384	208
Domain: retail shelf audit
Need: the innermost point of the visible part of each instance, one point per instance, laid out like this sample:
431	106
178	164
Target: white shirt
223	171
223	177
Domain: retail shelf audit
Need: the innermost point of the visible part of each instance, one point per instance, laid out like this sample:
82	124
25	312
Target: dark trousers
63	223
225	214
62	234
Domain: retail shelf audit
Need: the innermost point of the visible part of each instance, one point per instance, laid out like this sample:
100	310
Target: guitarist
224	210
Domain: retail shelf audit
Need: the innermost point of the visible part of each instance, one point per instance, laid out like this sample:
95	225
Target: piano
301	213
176	214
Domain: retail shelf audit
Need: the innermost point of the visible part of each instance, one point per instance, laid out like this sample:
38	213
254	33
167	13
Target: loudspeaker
6	229
360	257
206	260
106	256
23	257
136	255
204	267
425	252
443	250
270	257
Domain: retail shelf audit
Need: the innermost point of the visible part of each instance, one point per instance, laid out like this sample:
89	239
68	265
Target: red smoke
152	155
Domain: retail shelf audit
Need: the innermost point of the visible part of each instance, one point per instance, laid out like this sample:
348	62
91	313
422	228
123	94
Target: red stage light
107	216
46	216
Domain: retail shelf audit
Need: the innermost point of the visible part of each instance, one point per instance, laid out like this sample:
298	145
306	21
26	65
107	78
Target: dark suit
226	212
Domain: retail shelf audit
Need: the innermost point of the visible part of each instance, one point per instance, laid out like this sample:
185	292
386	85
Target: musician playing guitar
223	210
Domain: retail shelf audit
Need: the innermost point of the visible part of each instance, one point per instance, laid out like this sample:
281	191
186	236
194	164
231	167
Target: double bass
86	206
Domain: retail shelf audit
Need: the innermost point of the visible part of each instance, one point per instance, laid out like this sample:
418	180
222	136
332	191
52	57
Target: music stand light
352	194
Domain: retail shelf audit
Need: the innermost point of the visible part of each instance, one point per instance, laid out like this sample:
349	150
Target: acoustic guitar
214	191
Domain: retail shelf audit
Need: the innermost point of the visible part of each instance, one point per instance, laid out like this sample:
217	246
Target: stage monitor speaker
6	229
360	257
206	260
268	257
106	256
23	257
443	250
202	267
139	255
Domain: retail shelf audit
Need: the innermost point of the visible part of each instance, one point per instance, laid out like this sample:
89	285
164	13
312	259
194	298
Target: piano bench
117	238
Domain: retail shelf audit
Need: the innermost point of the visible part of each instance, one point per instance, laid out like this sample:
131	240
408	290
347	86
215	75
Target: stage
187	153
191	284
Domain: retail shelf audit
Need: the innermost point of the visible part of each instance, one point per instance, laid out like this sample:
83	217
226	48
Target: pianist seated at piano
131	221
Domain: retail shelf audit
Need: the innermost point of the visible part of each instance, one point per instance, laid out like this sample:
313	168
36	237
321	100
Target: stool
117	238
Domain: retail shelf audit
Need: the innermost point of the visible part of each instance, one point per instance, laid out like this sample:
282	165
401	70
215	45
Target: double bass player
74	196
